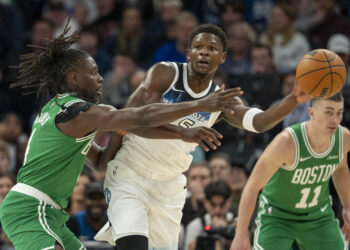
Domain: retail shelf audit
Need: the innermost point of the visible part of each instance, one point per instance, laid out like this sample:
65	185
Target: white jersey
161	159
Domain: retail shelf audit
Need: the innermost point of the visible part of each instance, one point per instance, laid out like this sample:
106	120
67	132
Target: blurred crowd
266	39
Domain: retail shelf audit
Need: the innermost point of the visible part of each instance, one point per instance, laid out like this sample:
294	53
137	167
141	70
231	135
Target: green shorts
277	229
33	224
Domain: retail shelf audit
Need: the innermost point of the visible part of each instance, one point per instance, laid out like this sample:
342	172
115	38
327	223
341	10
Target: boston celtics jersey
161	159
303	187
53	160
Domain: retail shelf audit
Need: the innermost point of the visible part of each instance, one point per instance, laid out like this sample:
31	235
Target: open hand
203	136
300	95
221	100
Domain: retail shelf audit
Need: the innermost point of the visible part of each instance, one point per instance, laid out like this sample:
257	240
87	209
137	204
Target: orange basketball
321	73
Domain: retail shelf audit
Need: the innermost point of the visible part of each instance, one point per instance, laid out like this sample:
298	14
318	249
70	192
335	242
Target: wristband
248	119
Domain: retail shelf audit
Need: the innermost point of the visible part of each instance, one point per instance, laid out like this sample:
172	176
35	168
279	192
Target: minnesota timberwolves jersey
161	159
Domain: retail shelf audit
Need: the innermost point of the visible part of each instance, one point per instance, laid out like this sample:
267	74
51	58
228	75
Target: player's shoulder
160	75
285	138
164	68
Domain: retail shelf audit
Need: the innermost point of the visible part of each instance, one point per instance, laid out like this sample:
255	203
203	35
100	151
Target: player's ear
223	58
188	55
311	112
72	80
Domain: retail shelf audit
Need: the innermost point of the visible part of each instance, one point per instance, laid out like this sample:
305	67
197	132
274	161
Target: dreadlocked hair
43	71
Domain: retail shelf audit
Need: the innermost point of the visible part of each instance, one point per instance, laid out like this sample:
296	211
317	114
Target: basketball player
144	185
32	213
294	172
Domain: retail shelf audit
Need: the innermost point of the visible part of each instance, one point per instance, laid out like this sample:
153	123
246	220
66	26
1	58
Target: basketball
321	73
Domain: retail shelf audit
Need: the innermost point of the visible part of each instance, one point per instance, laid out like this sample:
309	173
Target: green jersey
304	186
53	160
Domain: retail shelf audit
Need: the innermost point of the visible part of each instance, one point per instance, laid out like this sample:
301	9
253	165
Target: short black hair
338	97
259	45
203	164
236	5
221	155
219	187
10	176
211	29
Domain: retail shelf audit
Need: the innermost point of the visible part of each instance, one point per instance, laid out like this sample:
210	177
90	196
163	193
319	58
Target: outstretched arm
341	181
283	146
157	81
266	120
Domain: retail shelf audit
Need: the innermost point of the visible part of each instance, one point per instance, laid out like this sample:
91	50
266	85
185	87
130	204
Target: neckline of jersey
187	87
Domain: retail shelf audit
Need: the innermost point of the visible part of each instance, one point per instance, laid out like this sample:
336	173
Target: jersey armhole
297	151
175	78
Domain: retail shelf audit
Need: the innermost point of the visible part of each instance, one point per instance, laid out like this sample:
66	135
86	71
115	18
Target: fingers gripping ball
321	72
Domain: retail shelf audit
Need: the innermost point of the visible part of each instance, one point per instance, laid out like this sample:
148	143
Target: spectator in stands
4	157
302	12
11	30
288	45
237	182
198	177
85	224
231	12
160	29
176	51
27	105
136	78
130	35
11	39
58	16
108	18
41	30
262	60
76	201
80	14
329	22
241	38
217	203
340	44
117	89
7	181
257	13
220	165
13	134
89	42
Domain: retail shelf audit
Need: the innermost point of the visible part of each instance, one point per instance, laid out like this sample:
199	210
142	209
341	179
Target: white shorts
142	206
